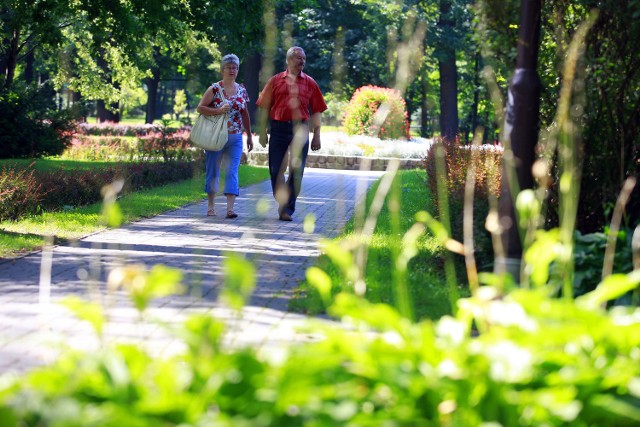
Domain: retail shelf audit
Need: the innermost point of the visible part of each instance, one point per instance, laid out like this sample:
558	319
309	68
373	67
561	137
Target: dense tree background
606	93
115	58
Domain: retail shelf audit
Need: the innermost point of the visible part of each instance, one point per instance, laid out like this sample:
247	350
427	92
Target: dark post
520	134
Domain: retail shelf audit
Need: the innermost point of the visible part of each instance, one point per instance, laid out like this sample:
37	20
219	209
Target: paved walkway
33	326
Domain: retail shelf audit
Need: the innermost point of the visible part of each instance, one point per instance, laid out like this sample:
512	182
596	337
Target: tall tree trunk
12	58
448	96
520	134
448	79
424	101
107	115
251	75
28	69
76	97
152	96
476	94
163	100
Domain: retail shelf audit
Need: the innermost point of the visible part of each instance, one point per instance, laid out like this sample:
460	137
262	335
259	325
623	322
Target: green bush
30	125
487	161
378	112
335	110
589	254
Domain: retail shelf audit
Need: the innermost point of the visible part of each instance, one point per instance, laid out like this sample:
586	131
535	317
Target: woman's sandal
211	212
231	214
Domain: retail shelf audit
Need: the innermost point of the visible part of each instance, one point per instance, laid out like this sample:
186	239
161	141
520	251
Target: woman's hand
224	108
249	142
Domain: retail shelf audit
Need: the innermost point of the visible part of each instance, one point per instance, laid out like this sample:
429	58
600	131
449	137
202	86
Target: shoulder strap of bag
216	92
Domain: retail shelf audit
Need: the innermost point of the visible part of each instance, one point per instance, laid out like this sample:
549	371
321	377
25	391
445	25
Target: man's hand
315	142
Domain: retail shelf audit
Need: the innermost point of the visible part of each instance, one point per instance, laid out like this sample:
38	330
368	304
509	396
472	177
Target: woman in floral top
226	96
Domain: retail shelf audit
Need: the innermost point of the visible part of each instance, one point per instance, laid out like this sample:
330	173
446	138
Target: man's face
296	61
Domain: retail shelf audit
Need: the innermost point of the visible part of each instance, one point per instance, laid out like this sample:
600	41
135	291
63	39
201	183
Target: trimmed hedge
21	193
31	192
457	160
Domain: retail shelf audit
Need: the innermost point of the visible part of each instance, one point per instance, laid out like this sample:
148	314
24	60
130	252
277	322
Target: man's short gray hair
292	51
229	59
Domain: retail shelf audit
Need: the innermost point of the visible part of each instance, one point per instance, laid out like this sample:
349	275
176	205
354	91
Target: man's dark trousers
285	151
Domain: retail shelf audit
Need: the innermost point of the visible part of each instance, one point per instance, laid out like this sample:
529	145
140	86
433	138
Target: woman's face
230	70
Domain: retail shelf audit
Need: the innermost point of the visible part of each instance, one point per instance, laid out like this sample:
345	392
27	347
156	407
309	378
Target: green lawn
29	233
425	279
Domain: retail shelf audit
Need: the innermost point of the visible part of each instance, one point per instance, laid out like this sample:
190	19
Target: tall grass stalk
470	261
365	234
398	249
565	138
612	235
443	208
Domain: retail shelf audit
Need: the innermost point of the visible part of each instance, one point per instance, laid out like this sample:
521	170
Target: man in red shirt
292	100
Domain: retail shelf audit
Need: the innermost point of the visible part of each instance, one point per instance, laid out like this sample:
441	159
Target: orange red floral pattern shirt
237	102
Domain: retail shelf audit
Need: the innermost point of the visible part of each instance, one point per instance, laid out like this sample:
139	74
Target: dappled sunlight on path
33	326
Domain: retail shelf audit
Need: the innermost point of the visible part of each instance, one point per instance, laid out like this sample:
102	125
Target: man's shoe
285	217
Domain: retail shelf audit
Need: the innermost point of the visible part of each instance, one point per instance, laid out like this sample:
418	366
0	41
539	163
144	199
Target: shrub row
118	129
168	146
458	159
31	192
152	146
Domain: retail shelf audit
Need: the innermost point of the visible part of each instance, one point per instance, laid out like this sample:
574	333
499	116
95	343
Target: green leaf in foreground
240	279
90	312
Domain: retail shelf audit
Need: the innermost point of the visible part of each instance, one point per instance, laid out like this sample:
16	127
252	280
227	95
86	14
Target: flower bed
153	145
341	144
341	151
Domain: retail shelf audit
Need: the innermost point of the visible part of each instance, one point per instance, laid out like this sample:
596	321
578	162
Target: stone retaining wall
322	161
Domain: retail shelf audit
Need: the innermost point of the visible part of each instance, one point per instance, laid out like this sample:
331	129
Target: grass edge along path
29	234
428	292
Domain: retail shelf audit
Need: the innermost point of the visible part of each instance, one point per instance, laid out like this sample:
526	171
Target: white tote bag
210	132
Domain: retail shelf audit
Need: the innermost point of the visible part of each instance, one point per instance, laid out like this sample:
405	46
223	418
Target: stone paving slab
34	326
